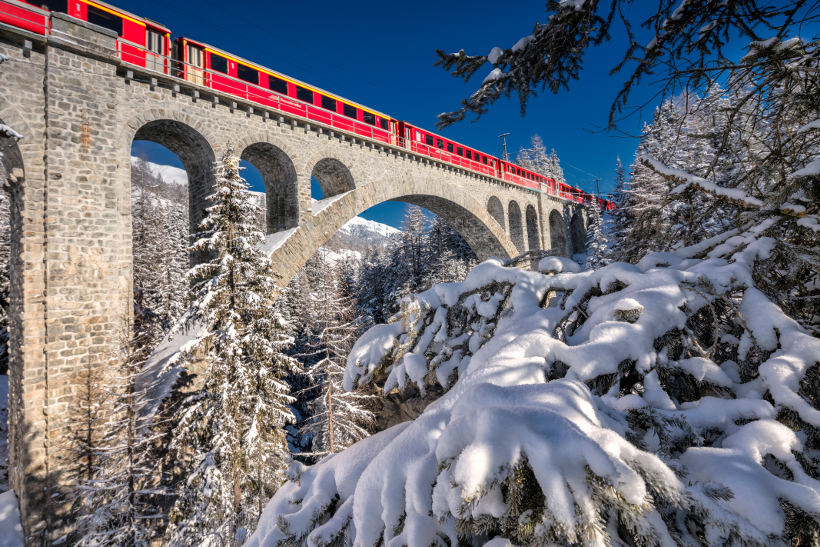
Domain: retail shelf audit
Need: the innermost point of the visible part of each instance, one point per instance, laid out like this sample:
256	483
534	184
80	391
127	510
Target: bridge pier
79	109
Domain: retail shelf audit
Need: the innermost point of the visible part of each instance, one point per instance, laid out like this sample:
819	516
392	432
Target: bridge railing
25	16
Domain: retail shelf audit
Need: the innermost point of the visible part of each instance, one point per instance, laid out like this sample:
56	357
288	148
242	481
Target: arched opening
480	239
533	239
558	235
196	156
516	230
171	178
281	186
578	234
496	210
333	178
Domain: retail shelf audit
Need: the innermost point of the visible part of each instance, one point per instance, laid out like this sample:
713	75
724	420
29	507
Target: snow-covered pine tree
535	157
621	214
232	430
338	418
596	239
554	170
648	191
119	502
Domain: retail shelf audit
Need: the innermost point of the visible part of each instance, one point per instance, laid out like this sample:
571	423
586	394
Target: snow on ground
573	413
169	174
11	531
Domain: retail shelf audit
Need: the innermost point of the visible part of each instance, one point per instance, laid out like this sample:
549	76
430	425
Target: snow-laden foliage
667	402
535	158
230	434
119	502
597	241
337	418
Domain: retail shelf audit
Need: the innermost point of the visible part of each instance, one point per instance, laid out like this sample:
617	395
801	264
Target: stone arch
461	210
496	210
577	233
193	150
516	227
533	238
281	184
333	176
558	234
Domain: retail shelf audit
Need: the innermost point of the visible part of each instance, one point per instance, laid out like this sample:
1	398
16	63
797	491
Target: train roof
119	11
286	77
455	141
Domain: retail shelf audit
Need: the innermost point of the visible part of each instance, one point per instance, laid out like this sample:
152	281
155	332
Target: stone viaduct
79	109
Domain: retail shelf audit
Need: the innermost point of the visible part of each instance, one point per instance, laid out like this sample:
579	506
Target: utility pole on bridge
503	138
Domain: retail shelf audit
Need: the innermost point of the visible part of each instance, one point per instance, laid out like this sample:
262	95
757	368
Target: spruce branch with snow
668	402
685	48
231	432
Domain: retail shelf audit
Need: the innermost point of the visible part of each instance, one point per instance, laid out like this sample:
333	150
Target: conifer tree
232	431
119	502
338	417
621	214
596	239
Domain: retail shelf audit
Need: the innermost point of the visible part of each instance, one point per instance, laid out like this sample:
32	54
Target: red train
148	44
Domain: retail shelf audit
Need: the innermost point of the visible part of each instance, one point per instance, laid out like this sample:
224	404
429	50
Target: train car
206	65
141	42
24	16
435	146
524	177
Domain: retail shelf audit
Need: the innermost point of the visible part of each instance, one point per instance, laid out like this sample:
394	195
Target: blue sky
381	54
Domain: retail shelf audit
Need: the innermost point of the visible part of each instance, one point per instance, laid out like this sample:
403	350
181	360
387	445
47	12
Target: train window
460	151
304	94
154	46
367	117
277	84
250	75
484	160
104	19
469	154
349	111
428	139
450	147
194	57
54	5
418	136
219	63
384	124
440	144
328	103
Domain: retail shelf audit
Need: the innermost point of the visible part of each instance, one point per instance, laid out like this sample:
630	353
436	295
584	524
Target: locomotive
148	44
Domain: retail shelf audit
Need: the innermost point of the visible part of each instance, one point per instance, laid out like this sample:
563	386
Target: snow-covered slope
360	234
169	174
663	403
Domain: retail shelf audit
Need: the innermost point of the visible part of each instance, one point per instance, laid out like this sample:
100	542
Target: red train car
423	142
142	42
24	16
206	65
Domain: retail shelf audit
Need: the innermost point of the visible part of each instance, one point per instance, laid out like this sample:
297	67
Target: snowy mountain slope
168	173
668	402
360	234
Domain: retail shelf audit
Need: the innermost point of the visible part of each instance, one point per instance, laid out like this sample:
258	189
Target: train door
194	70
154	54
